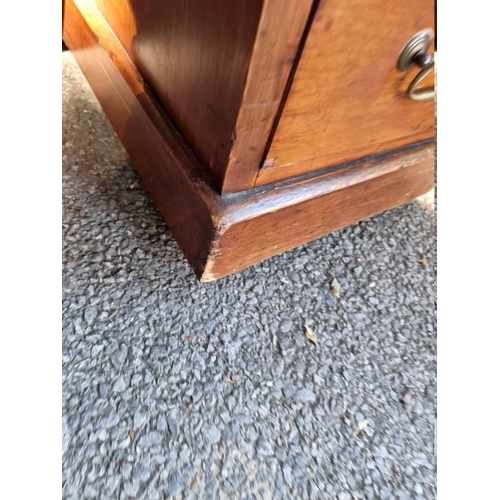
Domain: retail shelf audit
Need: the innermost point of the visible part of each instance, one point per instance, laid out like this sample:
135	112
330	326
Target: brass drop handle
415	53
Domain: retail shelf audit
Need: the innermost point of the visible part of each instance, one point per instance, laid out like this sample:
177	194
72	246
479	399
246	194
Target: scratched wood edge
239	207
279	33
221	235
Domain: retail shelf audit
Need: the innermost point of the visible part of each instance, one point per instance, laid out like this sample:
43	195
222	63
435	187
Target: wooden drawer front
348	100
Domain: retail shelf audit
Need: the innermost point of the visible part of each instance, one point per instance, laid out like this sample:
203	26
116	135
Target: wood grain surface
348	100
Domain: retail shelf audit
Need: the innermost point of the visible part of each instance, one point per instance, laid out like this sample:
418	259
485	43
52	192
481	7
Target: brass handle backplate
415	53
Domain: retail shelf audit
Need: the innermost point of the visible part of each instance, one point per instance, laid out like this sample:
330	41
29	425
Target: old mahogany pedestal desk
260	125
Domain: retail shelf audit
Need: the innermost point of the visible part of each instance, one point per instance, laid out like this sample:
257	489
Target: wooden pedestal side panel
223	234
348	100
218	67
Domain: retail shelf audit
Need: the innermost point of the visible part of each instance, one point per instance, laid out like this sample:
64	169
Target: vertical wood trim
279	34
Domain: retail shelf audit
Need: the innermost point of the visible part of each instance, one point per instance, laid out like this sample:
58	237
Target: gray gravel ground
176	389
